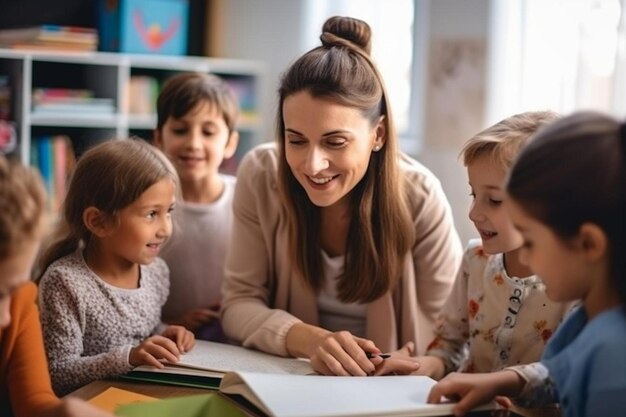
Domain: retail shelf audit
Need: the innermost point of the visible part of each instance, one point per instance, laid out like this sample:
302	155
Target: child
196	130
497	306
103	287
567	197
26	390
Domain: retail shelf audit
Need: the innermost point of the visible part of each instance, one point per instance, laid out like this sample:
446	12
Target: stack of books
50	38
69	102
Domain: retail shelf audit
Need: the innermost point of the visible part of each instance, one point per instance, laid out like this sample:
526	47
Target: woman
341	246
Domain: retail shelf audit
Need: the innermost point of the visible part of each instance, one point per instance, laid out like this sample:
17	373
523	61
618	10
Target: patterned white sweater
89	326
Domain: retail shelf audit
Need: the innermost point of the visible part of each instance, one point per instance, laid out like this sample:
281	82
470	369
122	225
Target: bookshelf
107	78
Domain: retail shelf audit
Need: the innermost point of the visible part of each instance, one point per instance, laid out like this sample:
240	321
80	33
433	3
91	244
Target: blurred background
452	67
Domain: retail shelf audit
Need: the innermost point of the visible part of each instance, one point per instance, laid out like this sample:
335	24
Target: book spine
45	159
60	145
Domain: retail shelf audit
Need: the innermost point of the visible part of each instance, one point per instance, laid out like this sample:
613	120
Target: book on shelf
50	37
143	92
69	107
207	363
65	100
245	90
54	157
5	97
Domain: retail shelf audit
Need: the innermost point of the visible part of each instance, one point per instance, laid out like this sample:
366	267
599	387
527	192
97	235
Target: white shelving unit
108	76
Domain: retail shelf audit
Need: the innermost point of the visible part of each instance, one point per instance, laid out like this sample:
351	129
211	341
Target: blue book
45	157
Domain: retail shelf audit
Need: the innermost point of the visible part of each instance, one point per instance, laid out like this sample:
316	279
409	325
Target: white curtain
561	55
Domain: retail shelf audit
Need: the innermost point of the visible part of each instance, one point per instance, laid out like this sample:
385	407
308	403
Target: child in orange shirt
26	389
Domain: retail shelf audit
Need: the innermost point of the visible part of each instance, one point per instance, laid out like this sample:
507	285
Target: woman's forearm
302	339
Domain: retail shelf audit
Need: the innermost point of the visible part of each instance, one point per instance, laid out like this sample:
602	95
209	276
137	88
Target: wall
455	96
267	31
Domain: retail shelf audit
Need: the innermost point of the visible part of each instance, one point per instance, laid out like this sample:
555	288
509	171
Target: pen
380	355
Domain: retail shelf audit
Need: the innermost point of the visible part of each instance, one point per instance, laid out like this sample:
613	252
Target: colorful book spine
54	157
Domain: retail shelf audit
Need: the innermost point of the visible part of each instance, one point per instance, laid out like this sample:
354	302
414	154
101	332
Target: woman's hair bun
339	29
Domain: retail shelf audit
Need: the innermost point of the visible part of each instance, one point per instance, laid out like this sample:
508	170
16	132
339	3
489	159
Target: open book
288	387
205	365
334	396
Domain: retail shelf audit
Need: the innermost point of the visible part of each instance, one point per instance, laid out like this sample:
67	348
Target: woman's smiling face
328	146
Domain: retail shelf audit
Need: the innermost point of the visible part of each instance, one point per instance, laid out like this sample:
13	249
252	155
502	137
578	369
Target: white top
335	315
197	251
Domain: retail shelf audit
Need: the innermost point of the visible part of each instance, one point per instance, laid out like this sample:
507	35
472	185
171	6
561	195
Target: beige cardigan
263	297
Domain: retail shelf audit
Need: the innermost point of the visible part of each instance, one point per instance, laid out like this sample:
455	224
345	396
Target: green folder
174	379
203	405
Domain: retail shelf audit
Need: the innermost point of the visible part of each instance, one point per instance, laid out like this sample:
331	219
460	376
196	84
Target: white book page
178	370
221	357
331	396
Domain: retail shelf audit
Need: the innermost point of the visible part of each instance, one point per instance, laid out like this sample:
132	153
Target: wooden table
145	388
168	391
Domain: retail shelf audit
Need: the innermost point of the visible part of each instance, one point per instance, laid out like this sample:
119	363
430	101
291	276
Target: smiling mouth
487	235
191	159
322	181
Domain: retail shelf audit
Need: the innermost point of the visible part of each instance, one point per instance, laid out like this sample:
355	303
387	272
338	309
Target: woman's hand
472	390
401	362
338	353
344	354
198	317
184	339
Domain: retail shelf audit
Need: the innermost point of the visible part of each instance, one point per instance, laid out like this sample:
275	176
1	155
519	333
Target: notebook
334	396
205	365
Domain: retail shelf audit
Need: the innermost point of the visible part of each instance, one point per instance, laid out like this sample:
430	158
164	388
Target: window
562	55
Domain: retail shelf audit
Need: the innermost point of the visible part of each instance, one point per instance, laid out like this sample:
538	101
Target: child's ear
593	241
231	145
96	222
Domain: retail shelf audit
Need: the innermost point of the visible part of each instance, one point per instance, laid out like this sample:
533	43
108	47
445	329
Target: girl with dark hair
567	197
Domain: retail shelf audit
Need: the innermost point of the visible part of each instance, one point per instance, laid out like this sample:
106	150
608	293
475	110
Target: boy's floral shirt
491	320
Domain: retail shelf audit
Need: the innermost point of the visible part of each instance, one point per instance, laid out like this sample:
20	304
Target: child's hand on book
154	350
184	339
471	390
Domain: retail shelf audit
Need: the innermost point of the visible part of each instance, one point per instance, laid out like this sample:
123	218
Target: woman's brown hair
381	230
